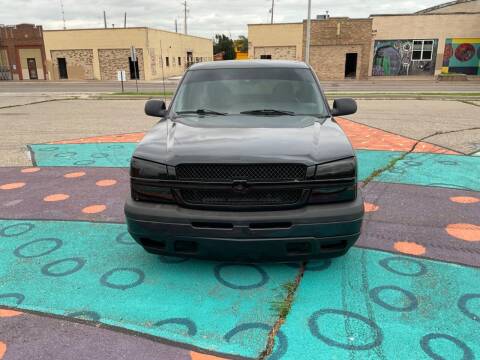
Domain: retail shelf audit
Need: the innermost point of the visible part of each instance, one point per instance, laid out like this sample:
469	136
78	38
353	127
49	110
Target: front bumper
314	231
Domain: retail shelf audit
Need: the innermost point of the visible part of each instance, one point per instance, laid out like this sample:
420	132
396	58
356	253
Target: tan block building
275	41
339	47
97	54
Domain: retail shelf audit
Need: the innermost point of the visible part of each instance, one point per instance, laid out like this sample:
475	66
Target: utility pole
176	26
307	42
185	16
63	15
271	10
125	20
105	18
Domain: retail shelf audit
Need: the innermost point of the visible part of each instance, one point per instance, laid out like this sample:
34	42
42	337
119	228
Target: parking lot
70	271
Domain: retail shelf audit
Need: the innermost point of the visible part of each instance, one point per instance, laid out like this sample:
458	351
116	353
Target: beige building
88	54
443	38
339	47
275	41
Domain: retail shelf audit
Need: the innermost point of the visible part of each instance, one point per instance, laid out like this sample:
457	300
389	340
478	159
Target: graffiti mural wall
404	57
462	56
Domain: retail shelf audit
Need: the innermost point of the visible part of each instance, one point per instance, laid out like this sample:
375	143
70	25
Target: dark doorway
62	68
351	65
134	70
32	69
189	58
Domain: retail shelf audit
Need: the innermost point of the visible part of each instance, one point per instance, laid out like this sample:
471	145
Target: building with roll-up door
98	54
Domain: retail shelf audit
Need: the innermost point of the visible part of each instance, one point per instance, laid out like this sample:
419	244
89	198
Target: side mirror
344	106
155	108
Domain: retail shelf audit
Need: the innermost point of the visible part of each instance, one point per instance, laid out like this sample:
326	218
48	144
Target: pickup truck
246	164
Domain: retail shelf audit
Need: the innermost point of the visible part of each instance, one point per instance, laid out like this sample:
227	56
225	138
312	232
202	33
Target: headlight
143	169
340	169
147	169
158	194
333	194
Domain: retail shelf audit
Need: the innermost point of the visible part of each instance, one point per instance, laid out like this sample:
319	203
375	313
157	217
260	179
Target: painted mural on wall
462	56
404	57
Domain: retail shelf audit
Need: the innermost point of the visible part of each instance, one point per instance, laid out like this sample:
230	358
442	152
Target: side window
179	60
167	61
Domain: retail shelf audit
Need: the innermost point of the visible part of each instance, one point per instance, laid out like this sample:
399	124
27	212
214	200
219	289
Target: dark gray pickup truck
247	164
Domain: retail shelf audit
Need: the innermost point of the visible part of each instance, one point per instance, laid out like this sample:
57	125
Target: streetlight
307	42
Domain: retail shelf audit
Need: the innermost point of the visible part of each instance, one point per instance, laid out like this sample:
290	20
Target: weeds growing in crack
282	305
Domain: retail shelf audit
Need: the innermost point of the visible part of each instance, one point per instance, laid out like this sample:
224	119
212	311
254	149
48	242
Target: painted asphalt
32	336
408	289
97	271
373	305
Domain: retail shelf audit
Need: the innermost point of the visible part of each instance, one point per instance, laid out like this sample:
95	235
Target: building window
266	57
167	61
179	61
422	50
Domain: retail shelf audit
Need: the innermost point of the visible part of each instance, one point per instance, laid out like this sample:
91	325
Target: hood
245	139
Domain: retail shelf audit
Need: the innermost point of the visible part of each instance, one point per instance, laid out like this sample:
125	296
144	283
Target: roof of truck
237	64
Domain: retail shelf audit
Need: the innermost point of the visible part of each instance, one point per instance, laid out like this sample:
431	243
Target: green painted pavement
84	155
371	160
451	171
96	271
374	305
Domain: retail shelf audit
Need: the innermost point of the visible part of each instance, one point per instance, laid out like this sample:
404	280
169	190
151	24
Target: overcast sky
205	18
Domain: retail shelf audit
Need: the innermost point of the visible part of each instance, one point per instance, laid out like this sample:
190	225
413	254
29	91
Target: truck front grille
252	197
249	172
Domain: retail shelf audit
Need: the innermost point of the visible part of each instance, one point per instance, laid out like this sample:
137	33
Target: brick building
339	47
22	52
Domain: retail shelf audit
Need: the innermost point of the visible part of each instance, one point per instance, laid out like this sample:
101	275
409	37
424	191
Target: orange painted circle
12	186
369	207
3	349
56	197
30	170
409	248
467	232
464	199
74	174
9	313
199	356
94	209
106	182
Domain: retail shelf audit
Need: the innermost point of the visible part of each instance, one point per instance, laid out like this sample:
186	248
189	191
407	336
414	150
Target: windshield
258	91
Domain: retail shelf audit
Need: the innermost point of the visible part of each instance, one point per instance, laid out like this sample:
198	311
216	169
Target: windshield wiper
267	112
201	112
